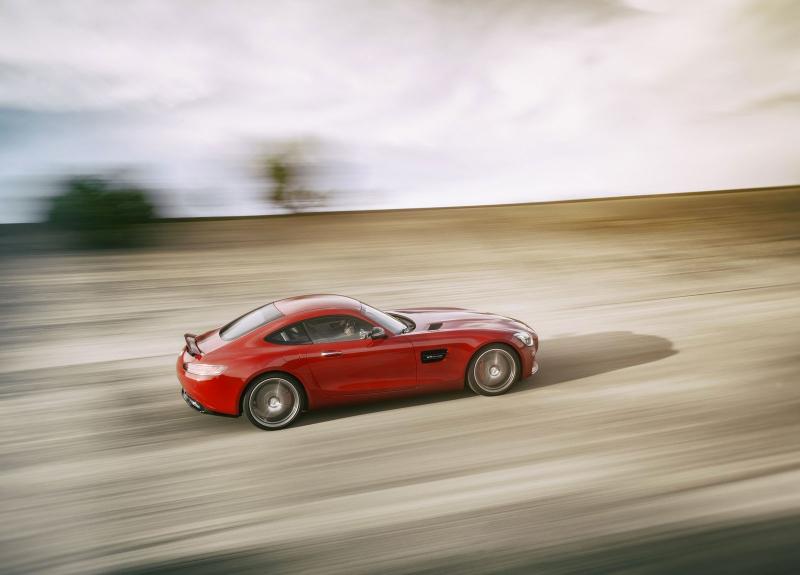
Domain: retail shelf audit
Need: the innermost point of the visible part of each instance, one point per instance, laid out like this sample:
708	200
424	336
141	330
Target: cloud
434	102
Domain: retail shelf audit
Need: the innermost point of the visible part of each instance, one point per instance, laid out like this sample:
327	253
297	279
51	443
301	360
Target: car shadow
562	359
575	357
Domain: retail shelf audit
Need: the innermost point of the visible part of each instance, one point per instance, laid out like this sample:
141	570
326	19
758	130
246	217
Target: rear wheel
493	369
273	401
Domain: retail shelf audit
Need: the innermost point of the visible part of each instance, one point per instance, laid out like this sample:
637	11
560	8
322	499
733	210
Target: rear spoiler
191	344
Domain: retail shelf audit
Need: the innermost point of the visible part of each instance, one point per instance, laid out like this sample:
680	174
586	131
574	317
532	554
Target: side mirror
377	333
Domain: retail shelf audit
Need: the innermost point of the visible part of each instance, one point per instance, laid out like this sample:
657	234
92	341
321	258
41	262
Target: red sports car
312	351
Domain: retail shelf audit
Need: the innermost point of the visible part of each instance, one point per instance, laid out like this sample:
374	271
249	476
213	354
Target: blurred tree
287	175
102	214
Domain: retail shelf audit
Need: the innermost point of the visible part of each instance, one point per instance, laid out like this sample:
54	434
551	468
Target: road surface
661	435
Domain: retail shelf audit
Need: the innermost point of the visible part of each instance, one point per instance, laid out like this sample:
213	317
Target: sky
409	103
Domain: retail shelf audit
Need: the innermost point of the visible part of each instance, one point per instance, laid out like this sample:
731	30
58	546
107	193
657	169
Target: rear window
250	321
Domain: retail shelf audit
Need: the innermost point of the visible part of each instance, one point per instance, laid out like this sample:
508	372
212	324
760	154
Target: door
345	360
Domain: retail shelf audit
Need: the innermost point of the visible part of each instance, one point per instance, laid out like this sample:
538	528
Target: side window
290	335
329	328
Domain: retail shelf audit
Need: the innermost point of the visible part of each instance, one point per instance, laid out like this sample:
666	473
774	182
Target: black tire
493	369
273	401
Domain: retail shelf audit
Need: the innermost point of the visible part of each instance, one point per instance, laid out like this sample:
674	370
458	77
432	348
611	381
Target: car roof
303	303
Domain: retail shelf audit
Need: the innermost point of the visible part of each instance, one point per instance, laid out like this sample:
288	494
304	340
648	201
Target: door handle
330	353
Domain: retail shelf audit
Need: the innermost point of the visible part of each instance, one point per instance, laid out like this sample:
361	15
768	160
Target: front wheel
273	401
493	369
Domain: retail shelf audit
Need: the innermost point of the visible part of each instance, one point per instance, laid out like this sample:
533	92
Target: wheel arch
261	374
483	346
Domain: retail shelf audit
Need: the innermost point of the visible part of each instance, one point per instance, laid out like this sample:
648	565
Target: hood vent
435	326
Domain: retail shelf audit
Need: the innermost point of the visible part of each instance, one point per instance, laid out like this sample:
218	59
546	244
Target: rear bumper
192	402
214	395
196	405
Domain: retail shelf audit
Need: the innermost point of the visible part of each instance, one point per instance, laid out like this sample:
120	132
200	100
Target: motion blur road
661	435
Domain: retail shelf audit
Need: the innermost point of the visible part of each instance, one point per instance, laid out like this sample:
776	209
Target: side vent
432	355
435	326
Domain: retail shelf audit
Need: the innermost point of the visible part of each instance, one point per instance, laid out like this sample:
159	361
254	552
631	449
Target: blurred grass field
661	434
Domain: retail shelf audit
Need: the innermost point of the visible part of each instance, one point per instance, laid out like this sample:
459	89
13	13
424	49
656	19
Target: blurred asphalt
661	435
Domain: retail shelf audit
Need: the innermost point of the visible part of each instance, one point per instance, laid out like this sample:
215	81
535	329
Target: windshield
384	319
250	321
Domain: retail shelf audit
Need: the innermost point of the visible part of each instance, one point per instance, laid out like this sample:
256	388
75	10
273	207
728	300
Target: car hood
449	318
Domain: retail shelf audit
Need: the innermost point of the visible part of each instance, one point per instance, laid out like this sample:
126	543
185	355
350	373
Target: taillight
203	369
